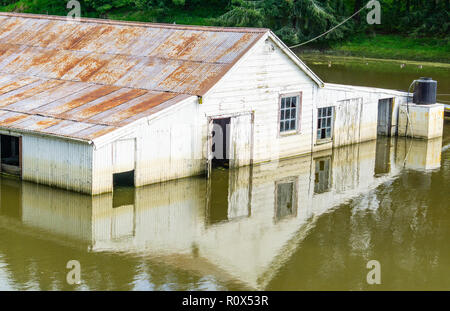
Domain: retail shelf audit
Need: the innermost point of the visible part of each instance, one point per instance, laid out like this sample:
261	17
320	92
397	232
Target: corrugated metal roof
156	57
74	109
85	78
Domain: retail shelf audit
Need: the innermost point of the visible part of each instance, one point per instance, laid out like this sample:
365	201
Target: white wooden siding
255	84
57	162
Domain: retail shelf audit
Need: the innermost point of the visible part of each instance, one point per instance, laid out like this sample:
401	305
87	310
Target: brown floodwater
306	223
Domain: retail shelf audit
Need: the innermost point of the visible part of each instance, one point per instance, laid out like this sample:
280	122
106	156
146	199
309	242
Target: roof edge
137	24
296	59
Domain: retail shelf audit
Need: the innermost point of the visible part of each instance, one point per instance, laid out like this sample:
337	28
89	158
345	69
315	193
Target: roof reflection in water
241	225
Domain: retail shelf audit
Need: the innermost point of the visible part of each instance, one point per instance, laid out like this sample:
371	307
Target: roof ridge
138	24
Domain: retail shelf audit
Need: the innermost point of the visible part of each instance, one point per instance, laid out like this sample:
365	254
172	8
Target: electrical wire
330	30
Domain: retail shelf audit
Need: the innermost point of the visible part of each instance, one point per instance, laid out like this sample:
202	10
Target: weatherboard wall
255	85
57	162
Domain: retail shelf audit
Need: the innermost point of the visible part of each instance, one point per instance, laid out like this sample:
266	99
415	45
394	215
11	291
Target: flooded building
86	104
241	225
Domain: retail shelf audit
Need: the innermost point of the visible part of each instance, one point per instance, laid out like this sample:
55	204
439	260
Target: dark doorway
10	154
123	192
221	142
384	117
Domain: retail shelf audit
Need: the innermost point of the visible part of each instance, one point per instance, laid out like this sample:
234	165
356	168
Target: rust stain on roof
16	85
91	96
47	123
92	66
101	132
147	104
111	103
13	119
30	92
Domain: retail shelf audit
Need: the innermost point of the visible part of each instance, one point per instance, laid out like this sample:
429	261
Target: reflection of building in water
243	223
419	154
322	180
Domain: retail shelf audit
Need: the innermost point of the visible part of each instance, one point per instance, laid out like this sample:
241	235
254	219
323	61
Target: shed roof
77	110
85	78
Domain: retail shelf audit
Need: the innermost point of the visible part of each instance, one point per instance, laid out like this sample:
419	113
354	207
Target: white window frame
320	119
298	113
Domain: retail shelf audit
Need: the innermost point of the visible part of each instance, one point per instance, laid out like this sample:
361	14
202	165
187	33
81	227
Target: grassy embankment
368	46
393	47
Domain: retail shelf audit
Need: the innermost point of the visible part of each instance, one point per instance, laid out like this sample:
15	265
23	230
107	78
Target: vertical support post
20	155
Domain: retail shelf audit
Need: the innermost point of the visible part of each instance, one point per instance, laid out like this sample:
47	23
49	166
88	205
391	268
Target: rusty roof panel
74	109
75	99
102	104
34	102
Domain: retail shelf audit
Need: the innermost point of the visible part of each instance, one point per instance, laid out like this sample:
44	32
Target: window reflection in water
322	178
286	199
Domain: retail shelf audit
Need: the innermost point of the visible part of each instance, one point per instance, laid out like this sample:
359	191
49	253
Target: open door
11	154
384	117
241	145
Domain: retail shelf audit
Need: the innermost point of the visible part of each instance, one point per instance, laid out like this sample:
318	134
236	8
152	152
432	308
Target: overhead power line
330	30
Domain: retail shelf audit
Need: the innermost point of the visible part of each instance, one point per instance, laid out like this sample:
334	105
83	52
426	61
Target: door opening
384	116
123	189
11	150
220	147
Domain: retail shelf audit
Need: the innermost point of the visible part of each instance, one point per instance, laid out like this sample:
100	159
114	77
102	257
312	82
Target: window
289	109
322	179
286	199
324	122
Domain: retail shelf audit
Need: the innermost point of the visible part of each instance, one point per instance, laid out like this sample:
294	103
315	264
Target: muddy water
391	74
306	223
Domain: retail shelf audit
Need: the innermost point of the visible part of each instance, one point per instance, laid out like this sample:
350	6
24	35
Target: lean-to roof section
77	110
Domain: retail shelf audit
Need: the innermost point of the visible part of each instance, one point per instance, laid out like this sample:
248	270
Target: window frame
328	158
326	139
294	182
299	95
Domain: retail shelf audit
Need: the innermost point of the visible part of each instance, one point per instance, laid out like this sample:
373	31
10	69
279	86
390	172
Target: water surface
307	223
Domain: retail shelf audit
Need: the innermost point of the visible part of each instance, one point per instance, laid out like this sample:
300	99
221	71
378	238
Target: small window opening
324	123
123	192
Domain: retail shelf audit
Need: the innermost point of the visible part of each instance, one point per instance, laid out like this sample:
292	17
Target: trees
293	20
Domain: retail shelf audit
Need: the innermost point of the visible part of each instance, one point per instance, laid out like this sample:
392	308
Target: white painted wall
255	85
57	162
169	146
356	112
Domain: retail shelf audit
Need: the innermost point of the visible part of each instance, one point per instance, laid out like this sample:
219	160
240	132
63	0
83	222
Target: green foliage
243	14
294	21
103	6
